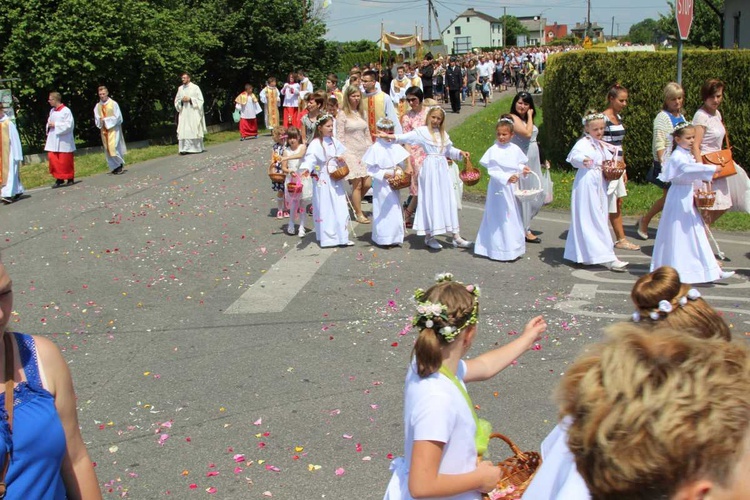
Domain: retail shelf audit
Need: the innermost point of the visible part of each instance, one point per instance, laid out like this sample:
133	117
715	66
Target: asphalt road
211	350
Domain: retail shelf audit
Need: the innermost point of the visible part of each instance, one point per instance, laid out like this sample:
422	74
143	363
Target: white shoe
726	274
349	244
290	229
459	242
617	266
301	233
432	243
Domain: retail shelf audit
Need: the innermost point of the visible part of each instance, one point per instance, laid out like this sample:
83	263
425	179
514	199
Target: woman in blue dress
48	460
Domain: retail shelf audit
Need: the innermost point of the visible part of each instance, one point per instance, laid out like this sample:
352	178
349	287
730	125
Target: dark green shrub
576	81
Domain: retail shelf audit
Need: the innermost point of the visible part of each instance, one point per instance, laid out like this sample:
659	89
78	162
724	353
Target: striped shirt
614	134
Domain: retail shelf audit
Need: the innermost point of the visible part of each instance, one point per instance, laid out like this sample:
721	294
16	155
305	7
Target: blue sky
358	19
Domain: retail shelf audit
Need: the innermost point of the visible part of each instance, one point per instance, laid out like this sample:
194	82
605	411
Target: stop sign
684	14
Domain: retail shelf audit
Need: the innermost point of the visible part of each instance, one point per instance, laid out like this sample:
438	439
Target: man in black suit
453	82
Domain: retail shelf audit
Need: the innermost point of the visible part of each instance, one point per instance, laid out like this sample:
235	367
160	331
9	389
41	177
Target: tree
706	29
138	49
513	28
357	46
645	32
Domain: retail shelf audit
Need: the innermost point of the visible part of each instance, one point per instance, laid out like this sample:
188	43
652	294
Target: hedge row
580	80
348	60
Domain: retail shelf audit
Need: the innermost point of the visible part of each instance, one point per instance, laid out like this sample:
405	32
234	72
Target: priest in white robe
377	104
60	143
11	156
108	119
191	124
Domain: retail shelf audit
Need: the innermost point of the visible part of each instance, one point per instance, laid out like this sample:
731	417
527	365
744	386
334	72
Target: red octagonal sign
684	14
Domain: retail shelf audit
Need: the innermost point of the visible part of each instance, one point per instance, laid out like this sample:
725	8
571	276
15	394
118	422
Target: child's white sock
280	203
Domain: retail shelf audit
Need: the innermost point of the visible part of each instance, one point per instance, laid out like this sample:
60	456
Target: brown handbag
8	405
723	158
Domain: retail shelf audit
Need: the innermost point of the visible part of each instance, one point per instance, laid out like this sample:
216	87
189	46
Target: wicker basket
470	175
340	172
400	180
705	198
612	170
518	470
529	194
276	177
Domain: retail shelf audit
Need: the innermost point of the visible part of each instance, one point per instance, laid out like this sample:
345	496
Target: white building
473	29
736	24
535	26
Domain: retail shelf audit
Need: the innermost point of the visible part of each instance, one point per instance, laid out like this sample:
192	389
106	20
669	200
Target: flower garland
665	307
429	312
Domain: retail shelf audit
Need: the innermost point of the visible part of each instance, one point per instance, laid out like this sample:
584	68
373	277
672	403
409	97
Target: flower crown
665	307
592	117
681	126
384	124
436	106
505	120
322	118
429	312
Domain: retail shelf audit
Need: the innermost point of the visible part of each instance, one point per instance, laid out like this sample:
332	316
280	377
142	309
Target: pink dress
352	131
410	121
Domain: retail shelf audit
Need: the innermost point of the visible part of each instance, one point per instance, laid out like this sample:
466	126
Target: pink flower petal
239	457
340	471
258	422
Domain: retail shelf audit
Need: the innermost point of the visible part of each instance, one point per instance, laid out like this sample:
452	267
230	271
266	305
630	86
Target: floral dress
410	121
353	132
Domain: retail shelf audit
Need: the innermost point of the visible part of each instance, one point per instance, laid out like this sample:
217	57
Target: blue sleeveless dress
38	446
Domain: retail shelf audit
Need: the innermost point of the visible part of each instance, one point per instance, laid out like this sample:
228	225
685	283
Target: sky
360	19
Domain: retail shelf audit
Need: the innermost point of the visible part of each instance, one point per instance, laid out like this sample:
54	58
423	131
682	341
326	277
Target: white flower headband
429	312
322	118
505	120
384	124
665	307
592	117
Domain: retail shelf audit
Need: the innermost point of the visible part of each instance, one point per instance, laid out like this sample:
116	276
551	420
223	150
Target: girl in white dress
330	212
681	240
589	241
437	212
381	160
442	435
501	234
295	202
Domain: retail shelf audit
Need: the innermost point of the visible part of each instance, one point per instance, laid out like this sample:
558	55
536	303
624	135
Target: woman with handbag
709	139
43	455
664	123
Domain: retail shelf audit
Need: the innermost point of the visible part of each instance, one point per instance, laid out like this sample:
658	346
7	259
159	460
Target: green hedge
348	60
575	81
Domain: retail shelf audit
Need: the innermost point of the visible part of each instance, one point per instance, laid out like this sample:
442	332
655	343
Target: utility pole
429	20
588	19
505	14
612	33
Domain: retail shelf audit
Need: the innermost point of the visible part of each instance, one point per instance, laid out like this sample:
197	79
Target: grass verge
477	134
37	174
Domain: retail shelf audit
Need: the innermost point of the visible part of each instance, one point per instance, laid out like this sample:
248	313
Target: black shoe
58	183
5	200
534	240
17	197
70	182
117	171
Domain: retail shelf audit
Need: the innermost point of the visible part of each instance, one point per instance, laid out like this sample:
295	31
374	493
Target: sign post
684	14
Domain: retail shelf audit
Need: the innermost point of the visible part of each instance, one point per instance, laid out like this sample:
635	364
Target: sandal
624	244
363	220
408	218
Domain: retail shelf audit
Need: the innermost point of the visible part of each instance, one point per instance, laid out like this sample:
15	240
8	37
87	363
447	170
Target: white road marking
273	291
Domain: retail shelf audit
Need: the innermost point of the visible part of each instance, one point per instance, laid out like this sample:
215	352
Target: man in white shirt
60	142
191	125
108	119
484	71
11	156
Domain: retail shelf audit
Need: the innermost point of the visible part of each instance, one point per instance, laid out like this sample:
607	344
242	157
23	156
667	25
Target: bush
348	60
576	81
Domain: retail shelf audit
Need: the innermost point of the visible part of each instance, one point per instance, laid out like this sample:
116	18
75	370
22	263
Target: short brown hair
56	95
711	87
102	87
333	78
652	410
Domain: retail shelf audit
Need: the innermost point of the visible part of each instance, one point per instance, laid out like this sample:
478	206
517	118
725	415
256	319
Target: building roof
481	15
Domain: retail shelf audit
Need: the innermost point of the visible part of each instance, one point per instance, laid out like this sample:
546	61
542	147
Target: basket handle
468	165
515	449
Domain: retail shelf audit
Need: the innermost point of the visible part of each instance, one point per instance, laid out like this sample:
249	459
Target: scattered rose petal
258	422
340	471
239	458
211	490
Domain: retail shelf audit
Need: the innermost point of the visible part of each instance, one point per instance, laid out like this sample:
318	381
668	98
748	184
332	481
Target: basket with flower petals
613	170
470	175
530	194
400	179
516	472
706	197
